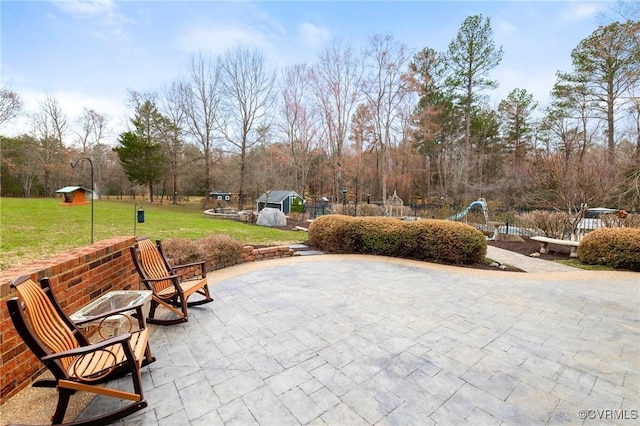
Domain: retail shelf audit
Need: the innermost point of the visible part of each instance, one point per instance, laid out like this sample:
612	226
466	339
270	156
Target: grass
577	264
37	228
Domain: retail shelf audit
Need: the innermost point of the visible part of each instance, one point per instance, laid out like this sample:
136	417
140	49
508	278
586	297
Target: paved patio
363	340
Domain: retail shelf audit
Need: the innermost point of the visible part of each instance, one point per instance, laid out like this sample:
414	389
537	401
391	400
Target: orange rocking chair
169	289
76	364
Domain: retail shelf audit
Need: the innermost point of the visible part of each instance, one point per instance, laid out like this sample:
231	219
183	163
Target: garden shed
221	196
75	195
284	200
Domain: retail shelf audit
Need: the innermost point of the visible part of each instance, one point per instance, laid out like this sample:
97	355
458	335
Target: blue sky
89	53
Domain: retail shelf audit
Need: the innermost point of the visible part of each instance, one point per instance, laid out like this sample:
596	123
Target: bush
615	247
362	209
180	251
370	210
223	248
632	221
297	205
554	224
431	240
296	217
627	220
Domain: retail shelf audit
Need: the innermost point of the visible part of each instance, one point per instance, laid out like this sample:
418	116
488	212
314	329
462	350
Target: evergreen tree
516	111
470	57
140	150
606	65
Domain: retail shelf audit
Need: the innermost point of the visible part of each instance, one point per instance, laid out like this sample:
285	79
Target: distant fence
517	229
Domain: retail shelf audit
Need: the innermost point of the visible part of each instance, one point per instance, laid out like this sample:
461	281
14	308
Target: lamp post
344	200
73	166
314	199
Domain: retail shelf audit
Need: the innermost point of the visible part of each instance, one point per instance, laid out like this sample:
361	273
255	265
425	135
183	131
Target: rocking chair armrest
187	265
200	264
122	339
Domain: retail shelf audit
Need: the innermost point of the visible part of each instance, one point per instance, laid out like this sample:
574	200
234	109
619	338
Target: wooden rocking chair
169	289
76	364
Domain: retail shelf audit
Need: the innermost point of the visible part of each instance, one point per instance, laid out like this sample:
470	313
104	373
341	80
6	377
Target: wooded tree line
372	122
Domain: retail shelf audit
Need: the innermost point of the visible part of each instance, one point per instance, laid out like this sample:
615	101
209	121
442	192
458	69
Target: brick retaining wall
77	277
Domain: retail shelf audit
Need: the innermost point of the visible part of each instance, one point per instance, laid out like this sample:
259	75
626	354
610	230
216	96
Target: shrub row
615	247
431	240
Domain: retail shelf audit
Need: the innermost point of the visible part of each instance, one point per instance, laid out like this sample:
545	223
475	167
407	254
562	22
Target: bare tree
385	89
299	122
49	128
634	111
364	140
201	100
556	180
20	159
430	117
10	104
173	137
92	129
336	80
247	98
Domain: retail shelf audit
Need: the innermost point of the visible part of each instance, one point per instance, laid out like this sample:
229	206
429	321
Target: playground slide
479	202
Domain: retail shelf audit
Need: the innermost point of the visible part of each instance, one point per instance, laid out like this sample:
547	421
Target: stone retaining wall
77	277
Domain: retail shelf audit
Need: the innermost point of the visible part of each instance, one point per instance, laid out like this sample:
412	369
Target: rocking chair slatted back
45	321
154	265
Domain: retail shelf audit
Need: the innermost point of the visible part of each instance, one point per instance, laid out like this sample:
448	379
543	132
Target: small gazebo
74	195
394	206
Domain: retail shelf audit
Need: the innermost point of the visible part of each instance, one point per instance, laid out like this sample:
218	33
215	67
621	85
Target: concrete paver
369	340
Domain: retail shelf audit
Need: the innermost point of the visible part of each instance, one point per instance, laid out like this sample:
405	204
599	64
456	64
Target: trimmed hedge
430	240
615	247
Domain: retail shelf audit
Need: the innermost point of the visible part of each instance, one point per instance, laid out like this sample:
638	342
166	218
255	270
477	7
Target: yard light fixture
138	216
73	166
344	199
314	199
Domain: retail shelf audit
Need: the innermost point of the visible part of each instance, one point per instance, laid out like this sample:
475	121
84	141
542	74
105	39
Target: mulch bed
531	246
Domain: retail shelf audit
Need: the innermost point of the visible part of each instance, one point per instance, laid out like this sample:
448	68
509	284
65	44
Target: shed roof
277	196
68	189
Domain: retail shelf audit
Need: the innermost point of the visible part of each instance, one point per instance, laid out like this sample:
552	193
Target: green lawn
37	228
